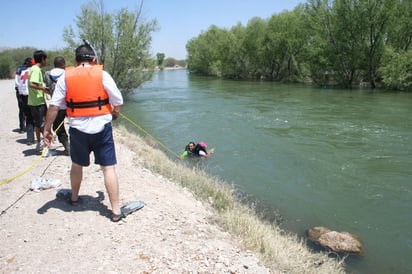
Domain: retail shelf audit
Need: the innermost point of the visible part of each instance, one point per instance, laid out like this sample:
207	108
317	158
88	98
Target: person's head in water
191	146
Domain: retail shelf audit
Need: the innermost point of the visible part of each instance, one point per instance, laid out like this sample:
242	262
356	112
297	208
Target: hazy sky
40	23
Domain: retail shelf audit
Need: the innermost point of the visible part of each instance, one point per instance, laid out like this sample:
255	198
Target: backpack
51	79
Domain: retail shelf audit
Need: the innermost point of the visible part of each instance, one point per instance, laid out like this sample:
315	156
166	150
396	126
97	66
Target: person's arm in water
184	155
204	153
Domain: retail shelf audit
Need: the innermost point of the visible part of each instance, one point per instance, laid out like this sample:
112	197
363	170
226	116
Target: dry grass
280	251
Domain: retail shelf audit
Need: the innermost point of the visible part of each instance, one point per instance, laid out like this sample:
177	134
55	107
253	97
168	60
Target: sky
40	24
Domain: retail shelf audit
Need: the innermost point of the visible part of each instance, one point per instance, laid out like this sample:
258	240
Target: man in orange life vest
91	99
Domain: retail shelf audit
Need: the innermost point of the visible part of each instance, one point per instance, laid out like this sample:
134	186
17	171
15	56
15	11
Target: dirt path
42	234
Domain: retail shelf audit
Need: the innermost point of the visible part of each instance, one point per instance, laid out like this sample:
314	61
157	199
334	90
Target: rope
21	196
142	129
45	150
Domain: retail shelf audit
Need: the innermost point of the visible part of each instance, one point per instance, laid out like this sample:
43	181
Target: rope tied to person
147	133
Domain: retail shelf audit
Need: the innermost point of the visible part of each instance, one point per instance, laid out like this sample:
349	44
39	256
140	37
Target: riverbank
175	232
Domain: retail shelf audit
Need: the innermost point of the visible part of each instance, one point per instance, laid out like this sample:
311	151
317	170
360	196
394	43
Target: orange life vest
85	95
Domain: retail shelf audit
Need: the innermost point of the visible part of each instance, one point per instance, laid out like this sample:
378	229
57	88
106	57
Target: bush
396	70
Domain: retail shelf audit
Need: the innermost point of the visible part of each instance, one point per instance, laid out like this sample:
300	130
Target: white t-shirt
88	124
21	82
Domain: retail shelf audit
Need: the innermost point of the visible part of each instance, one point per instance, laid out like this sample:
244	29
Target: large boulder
336	241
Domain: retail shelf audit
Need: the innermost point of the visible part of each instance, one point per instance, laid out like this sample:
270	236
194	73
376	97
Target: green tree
396	66
202	53
160	58
331	55
6	70
122	41
181	63
172	62
295	33
223	42
254	50
284	40
338	42
238	54
400	27
317	16
396	70
376	16
349	35
12	58
197	56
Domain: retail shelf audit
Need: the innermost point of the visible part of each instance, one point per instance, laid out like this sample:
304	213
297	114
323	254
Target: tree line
326	42
342	42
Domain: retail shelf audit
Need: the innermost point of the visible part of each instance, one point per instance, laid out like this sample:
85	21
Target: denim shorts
102	145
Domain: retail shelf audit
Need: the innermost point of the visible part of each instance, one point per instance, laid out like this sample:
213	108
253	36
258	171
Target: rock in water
336	241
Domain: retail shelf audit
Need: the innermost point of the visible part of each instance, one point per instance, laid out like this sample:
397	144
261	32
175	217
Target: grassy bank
279	250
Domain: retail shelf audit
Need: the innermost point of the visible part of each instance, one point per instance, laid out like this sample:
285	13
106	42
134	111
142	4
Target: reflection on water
334	158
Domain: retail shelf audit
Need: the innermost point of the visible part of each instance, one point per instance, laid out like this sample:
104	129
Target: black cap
85	53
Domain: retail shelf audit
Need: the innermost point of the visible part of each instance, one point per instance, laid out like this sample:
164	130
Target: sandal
131	207
116	217
75	203
66	194
126	210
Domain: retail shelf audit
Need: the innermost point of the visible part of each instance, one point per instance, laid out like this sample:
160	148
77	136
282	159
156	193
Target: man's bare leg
76	175
112	187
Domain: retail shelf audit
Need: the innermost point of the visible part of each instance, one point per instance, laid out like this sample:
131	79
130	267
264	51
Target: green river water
320	157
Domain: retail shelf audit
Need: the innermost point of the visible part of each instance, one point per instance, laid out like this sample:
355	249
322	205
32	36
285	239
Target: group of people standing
32	87
90	99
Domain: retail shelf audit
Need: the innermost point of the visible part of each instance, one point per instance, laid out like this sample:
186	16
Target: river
320	157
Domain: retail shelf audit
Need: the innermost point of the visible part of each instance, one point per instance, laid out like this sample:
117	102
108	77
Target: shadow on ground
88	203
